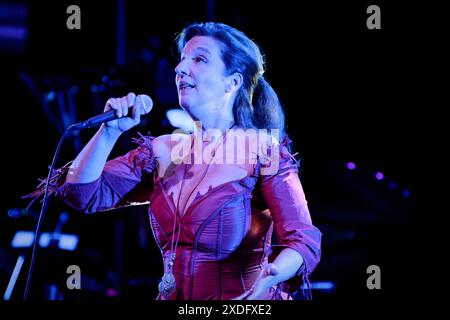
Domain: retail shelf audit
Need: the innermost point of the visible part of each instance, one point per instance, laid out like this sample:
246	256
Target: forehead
204	44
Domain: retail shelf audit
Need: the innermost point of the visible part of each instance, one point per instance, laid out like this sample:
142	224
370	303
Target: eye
199	59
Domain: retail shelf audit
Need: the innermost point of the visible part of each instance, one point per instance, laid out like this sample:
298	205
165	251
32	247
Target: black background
348	94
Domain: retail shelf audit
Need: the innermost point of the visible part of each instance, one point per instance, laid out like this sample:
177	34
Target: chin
193	113
187	104
183	101
184	105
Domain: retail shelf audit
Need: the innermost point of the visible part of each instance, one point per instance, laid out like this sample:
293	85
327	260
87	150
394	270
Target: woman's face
200	76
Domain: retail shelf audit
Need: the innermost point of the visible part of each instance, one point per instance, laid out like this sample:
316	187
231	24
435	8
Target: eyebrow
203	49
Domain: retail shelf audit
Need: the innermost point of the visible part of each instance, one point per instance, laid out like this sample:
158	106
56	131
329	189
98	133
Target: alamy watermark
74	280
374	20
235	146
374	280
74	20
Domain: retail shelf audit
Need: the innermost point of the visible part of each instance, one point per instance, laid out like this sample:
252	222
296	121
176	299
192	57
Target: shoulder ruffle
145	157
57	179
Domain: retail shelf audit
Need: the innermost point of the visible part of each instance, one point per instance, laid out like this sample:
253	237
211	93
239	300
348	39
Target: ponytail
267	110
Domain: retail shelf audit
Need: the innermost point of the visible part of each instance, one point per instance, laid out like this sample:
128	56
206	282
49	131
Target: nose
181	68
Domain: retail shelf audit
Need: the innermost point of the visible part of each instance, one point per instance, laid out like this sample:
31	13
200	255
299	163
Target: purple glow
379	176
406	193
351	165
111	293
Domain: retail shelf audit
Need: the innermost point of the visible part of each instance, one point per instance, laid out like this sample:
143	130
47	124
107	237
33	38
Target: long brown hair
256	104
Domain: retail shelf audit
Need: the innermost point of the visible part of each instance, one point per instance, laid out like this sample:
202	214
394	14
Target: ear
234	82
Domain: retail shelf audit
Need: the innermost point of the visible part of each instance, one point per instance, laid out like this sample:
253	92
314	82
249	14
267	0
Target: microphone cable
37	231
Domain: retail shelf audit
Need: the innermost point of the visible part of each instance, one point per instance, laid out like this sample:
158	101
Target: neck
215	119
212	132
217	124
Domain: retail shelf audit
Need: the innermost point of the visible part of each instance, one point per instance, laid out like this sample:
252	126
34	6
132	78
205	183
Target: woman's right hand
142	104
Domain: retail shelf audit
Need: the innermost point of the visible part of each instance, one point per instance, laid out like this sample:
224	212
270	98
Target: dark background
347	92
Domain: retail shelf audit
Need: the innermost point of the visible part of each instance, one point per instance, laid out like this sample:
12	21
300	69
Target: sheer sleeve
125	181
283	193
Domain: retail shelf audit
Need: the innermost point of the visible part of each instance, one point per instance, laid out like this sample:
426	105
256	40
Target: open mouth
185	86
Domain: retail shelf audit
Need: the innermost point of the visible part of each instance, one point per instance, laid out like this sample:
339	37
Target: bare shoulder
163	145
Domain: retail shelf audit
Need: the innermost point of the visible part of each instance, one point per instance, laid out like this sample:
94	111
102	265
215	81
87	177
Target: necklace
167	286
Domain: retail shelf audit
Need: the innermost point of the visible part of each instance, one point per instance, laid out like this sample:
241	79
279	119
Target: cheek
214	85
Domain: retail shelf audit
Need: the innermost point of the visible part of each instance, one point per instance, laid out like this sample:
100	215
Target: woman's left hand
266	279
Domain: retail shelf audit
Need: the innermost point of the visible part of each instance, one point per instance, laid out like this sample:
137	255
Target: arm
298	250
283	268
91	184
124	181
286	199
287	263
89	164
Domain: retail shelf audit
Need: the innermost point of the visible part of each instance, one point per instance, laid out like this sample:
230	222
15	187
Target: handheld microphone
97	120
106	116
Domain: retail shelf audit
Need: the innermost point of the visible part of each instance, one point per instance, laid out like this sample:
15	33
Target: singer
213	220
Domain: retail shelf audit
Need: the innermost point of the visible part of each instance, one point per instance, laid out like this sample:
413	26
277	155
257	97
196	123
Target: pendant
167	286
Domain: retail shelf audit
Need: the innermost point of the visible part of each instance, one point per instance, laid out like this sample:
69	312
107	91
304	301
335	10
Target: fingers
112	104
121	105
272	270
253	294
265	280
130	102
242	296
141	105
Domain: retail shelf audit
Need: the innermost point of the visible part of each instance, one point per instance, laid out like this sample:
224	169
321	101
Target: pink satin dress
225	231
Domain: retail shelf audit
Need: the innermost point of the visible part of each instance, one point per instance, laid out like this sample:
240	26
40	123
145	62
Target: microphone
106	116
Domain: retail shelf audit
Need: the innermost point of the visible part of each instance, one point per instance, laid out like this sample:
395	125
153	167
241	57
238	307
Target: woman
212	219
